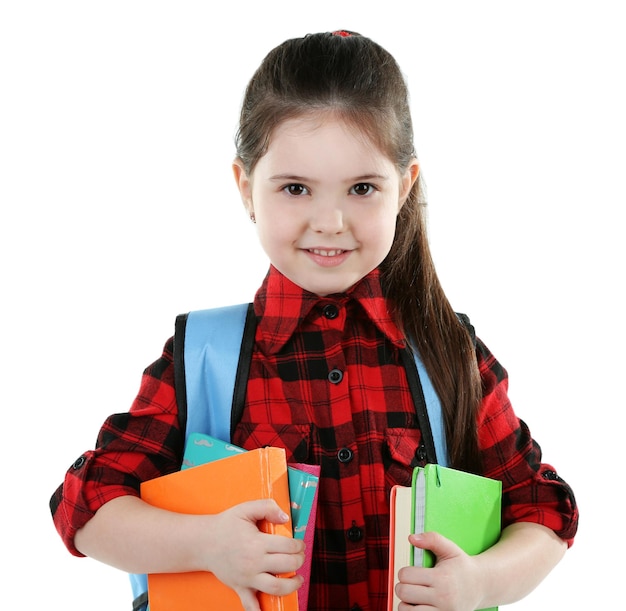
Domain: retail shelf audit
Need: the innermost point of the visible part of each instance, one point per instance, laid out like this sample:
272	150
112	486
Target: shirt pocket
404	450
294	438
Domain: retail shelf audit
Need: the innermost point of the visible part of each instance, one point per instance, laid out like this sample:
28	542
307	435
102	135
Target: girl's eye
296	189
362	188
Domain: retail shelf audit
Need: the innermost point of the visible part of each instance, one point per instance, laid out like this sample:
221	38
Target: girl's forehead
310	121
328	150
315	122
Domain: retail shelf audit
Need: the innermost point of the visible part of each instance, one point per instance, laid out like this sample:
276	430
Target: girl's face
325	202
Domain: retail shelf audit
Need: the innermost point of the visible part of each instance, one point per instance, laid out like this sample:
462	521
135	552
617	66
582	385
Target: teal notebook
303	479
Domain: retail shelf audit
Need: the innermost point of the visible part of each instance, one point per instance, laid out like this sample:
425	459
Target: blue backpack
212	352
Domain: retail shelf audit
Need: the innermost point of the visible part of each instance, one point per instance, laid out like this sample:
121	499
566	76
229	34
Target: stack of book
214	477
461	506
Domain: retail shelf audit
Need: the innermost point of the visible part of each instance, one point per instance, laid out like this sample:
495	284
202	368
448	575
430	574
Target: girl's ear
244	186
407	181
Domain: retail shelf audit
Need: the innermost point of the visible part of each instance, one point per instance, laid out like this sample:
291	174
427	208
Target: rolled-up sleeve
532	491
132	447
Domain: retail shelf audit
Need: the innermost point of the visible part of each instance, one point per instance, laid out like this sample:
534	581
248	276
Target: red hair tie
342	33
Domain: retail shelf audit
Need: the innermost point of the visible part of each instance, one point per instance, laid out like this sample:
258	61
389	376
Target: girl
327	170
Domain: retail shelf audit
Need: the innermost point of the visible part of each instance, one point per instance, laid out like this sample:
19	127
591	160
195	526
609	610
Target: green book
463	507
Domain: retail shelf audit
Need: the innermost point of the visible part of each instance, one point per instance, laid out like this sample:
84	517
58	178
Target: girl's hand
248	560
453	584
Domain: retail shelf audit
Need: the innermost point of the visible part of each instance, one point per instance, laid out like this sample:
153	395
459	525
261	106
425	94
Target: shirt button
79	463
420	453
345	455
335	376
330	311
550	475
354	533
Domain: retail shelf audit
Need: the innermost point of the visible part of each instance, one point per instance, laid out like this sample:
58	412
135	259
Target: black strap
415	386
417	393
464	318
141	602
180	383
243	369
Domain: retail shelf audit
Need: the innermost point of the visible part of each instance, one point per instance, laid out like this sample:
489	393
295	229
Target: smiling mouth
326	253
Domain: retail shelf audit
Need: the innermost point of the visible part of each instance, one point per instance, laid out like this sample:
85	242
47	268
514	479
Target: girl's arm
505	573
136	537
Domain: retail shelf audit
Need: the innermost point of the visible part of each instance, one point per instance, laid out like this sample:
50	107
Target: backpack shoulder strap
427	403
427	407
212	350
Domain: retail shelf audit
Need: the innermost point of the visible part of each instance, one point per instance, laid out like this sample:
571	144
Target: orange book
208	489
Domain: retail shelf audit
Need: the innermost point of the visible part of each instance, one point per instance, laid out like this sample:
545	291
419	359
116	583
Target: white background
119	211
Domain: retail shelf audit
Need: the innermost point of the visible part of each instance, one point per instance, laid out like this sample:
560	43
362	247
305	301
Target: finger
279	544
277	586
280	564
415	595
263	509
248	599
416	576
436	543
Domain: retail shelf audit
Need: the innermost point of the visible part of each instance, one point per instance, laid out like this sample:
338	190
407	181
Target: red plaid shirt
327	384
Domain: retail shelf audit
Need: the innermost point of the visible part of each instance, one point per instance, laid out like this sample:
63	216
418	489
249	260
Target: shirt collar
282	305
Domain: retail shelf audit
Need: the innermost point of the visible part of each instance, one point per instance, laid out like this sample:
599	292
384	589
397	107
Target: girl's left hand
453	584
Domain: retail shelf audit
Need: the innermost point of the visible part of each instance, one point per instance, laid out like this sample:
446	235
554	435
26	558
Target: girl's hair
359	82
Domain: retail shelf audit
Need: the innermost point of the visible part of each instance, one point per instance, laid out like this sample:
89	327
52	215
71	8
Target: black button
79	462
330	311
354	533
355	608
420	453
345	455
335	376
550	475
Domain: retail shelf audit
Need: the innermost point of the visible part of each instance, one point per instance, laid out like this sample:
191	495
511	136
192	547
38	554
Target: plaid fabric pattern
327	384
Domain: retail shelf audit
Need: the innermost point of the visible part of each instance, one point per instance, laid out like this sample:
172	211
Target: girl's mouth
326	253
327	257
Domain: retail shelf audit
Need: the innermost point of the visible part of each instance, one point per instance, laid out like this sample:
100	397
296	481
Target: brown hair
359	81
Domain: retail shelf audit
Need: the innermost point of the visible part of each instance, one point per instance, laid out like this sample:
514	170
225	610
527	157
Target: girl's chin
323	288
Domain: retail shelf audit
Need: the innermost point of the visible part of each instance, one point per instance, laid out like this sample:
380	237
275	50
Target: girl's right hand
249	560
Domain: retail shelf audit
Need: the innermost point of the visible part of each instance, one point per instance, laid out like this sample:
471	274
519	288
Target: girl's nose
327	217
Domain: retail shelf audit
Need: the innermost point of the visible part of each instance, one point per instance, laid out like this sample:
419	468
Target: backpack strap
212	351
427	408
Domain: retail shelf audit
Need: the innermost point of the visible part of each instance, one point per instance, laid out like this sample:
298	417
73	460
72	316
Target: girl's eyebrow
296	178
292	177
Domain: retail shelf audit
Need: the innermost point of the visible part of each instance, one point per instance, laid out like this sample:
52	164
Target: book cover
303	481
400	529
463	507
212	488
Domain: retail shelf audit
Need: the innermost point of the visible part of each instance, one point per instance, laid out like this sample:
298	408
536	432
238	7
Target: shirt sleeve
532	491
132	447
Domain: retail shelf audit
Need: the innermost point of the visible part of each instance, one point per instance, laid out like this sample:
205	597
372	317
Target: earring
253	218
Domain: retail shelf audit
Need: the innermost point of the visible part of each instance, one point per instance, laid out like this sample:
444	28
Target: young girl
327	170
